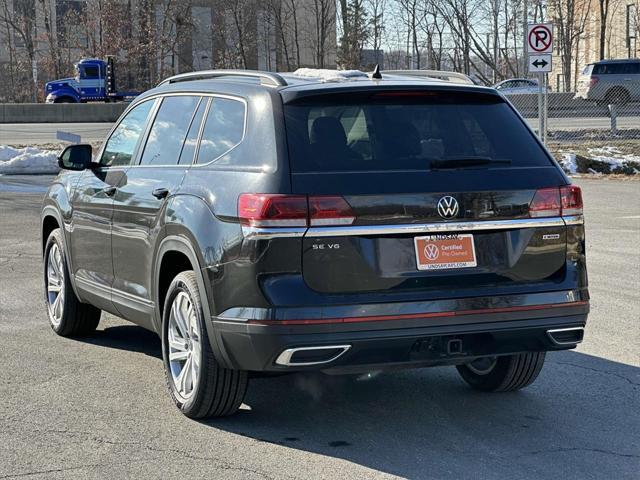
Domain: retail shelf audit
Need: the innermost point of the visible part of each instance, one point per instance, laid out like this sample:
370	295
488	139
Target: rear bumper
404	340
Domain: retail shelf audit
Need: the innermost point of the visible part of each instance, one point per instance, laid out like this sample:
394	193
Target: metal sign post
540	61
34	71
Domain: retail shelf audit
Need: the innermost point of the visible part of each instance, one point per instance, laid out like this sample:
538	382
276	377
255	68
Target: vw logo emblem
431	251
448	207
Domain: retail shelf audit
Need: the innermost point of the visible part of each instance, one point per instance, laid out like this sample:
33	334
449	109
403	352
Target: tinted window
634	68
386	133
122	143
189	148
169	130
91	72
611	68
223	129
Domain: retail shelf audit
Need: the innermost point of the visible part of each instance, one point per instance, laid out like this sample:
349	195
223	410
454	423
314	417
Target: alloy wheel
482	366
55	284
184	345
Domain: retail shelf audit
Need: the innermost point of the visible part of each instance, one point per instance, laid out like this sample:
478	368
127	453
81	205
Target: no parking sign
540	38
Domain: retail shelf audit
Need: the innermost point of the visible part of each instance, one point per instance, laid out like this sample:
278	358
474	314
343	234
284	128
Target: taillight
329	211
593	81
268	210
273	210
545	203
554	202
571	200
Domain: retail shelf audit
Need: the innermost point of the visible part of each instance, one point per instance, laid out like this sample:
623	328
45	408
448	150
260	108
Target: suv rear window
393	131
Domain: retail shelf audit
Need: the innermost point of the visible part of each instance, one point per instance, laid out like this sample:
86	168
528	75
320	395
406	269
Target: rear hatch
431	192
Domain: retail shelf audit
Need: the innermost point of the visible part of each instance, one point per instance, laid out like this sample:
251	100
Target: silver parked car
517	86
610	82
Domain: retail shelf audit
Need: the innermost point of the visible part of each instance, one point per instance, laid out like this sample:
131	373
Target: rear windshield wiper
464	162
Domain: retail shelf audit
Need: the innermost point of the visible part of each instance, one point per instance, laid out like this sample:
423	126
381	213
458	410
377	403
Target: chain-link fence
596	134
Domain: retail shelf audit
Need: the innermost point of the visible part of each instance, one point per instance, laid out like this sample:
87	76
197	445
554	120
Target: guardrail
60	112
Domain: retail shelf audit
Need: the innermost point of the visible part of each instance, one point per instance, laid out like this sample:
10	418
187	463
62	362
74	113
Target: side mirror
75	157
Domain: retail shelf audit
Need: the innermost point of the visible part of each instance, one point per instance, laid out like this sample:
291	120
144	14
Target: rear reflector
272	210
554	202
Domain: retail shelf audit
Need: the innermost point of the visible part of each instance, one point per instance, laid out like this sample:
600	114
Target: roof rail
266	78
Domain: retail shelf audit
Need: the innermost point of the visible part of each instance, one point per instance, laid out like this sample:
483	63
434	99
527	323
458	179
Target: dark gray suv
266	224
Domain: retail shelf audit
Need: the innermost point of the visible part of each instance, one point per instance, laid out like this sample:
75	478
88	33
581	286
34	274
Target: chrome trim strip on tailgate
574	220
435	227
417	228
262	233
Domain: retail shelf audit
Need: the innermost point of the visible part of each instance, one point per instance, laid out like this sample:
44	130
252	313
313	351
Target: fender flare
183	245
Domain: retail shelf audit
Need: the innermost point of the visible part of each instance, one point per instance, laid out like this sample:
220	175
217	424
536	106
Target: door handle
109	191
160	193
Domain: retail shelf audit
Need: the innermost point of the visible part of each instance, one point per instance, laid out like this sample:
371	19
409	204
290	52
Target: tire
617	96
216	391
505	374
67	315
63	100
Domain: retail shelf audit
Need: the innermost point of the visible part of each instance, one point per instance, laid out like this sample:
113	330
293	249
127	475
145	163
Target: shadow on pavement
579	420
127	337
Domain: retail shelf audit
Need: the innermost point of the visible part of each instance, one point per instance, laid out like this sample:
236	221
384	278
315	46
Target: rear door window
393	131
634	68
191	142
223	129
169	130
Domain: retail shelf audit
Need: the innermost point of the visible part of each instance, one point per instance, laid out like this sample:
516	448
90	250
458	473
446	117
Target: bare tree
291	6
21	20
355	33
323	21
377	9
569	18
603	16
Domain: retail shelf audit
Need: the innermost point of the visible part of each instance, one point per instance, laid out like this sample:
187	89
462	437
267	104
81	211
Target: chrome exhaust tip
314	355
566	336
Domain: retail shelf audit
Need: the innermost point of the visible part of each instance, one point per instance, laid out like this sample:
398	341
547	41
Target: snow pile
568	163
326	75
30	160
613	156
601	160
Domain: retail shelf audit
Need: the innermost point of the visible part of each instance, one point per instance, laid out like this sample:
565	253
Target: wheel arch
51	218
618	90
174	247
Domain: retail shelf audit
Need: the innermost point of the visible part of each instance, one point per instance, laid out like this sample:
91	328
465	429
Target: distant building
157	38
621	38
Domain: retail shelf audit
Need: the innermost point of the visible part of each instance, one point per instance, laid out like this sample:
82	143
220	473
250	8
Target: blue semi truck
95	81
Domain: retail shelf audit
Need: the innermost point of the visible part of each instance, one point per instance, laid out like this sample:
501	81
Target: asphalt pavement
44	133
98	407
